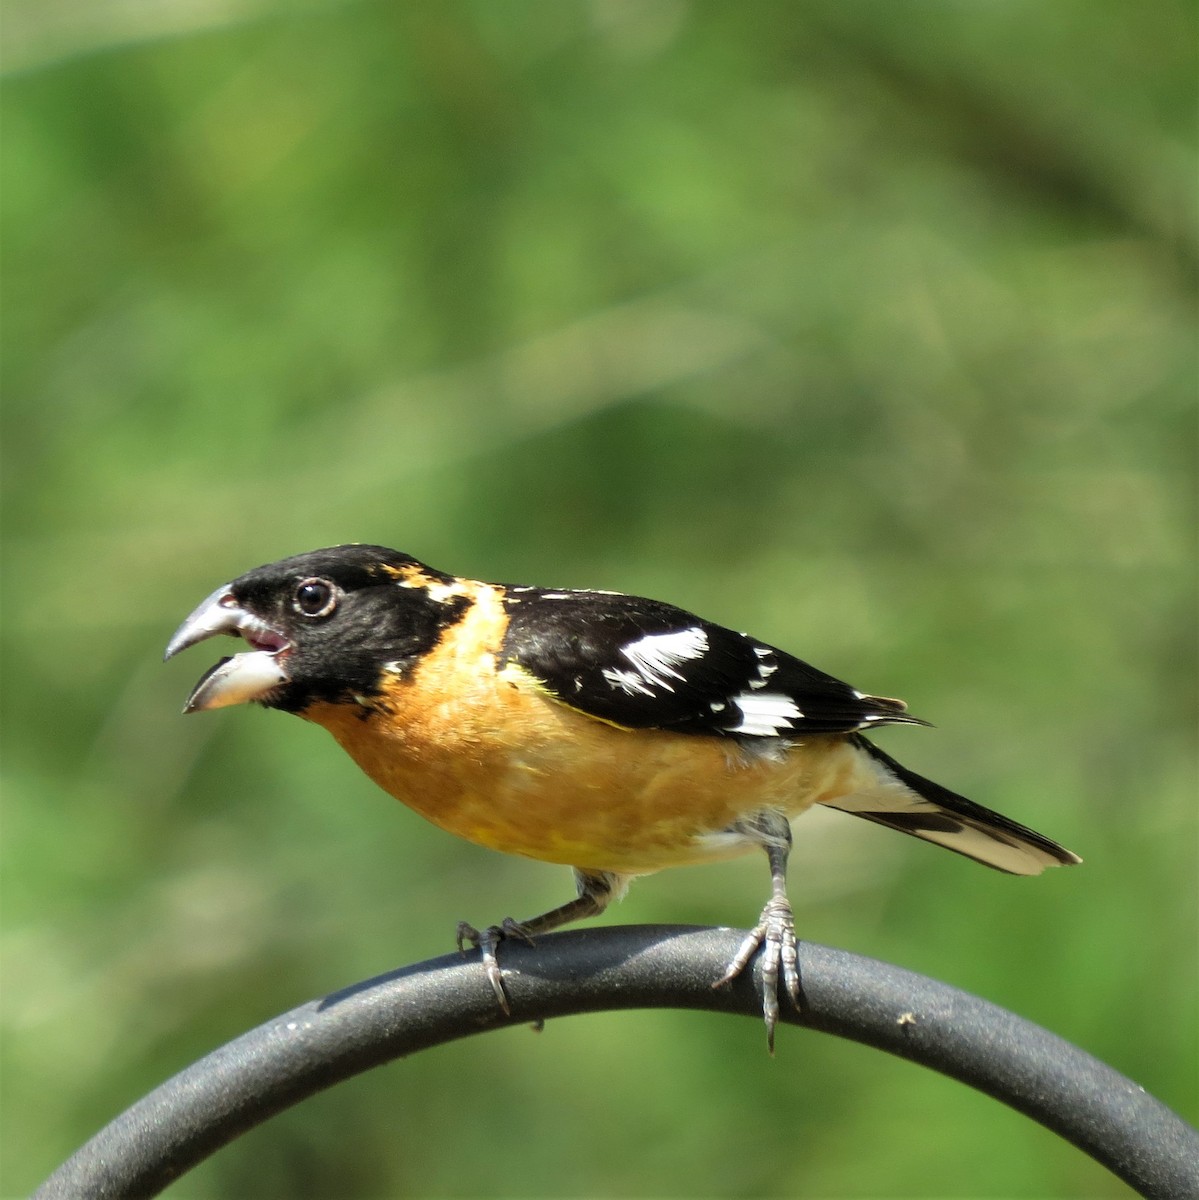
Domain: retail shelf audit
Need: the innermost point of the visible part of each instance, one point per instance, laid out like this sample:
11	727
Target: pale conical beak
217	614
243	677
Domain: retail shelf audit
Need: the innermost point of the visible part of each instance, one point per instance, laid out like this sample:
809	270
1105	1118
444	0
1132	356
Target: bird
613	734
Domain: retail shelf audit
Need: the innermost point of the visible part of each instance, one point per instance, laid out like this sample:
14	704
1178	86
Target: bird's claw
486	941
775	933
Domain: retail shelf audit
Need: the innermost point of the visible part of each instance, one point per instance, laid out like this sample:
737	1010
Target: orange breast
490	757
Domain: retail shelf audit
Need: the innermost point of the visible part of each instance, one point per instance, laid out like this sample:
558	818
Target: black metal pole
318	1044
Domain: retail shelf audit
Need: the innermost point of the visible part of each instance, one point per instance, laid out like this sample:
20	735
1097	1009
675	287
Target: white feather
654	658
765	714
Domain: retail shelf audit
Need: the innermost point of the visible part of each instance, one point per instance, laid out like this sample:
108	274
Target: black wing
643	664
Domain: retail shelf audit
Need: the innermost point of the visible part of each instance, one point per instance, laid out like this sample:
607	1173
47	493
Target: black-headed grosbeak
613	734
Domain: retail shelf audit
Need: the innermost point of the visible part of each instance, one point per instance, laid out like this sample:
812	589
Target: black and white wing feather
643	664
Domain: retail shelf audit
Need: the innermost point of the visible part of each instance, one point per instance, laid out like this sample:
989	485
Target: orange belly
493	759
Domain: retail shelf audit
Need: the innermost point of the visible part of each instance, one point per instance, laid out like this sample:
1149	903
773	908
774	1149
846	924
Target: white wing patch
765	667
654	658
765	714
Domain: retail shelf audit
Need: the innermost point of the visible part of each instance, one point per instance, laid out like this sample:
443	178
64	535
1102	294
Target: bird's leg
596	890
775	930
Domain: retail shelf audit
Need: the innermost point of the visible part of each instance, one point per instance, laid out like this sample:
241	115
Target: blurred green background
867	327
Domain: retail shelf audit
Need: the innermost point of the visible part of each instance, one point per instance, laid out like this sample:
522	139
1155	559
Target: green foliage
867	327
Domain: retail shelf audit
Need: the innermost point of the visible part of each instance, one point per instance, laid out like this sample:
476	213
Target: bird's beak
243	677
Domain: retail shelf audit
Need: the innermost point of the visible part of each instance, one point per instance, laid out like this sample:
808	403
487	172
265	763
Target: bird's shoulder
641	663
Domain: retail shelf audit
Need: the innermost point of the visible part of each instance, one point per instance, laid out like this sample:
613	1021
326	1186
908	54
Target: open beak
243	677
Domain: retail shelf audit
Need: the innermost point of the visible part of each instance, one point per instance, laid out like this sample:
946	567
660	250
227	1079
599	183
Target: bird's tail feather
903	800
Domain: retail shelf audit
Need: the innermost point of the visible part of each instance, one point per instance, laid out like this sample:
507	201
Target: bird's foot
486	941
775	933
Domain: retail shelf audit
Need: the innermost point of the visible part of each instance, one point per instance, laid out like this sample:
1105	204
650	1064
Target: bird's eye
314	598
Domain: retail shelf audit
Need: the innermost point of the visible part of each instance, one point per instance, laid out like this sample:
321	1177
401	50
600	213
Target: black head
321	626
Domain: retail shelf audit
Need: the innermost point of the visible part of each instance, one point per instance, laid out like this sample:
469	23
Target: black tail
903	800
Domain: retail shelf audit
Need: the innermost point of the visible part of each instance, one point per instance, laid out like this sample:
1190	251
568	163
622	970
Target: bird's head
322	626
